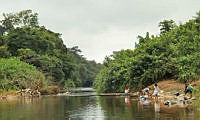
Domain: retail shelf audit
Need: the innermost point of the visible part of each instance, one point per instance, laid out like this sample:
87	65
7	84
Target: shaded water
92	108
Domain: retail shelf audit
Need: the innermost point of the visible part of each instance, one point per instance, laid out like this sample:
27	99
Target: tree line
173	54
32	55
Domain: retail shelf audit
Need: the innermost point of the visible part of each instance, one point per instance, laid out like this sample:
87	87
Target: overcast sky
100	27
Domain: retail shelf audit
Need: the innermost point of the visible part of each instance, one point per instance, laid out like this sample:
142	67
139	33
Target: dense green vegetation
16	74
173	54
31	53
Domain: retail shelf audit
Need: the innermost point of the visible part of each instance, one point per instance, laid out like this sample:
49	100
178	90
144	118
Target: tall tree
197	17
45	50
166	25
22	18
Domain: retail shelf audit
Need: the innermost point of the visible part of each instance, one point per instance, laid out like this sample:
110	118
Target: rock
35	93
181	95
4	97
185	98
161	91
176	93
193	98
167	103
189	102
173	102
67	92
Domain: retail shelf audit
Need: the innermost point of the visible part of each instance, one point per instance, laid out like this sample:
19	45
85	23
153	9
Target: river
82	106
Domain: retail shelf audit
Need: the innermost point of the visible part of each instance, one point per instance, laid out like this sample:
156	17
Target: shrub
15	74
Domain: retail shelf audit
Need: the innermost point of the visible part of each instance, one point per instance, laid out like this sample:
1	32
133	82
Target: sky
100	27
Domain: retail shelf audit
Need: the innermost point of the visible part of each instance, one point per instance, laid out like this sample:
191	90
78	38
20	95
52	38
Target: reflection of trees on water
50	108
112	108
82	108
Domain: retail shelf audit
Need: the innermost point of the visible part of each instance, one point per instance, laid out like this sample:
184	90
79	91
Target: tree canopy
24	39
174	54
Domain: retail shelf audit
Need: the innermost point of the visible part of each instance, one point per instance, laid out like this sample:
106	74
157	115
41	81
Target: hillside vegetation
30	53
173	54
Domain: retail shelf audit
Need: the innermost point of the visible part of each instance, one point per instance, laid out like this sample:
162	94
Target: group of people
145	93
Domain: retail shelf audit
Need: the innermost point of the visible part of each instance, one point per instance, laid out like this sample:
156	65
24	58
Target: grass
9	92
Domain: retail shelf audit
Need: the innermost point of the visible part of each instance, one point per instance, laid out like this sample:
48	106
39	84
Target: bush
15	74
50	90
174	54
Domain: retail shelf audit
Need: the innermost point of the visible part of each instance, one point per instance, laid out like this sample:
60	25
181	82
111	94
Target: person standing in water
127	90
156	91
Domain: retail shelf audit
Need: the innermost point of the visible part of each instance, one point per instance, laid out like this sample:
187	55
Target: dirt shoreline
167	87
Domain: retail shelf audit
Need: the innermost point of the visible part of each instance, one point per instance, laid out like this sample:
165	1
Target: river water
82	106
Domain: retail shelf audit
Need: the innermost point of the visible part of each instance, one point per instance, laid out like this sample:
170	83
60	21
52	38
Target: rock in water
173	102
166	103
177	93
185	98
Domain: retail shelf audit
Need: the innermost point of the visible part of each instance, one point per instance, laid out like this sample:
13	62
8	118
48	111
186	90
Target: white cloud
99	27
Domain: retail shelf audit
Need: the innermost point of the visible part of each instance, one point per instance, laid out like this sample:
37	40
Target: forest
32	55
172	54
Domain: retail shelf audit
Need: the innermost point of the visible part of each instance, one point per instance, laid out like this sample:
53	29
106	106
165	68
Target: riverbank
28	93
169	87
167	97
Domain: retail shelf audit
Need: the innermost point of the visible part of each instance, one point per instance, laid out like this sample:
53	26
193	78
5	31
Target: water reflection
84	108
32	109
117	108
157	110
93	108
127	100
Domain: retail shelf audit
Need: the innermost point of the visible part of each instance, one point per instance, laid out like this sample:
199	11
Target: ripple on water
93	108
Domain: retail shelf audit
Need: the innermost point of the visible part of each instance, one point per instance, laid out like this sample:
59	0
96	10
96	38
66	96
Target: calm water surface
79	106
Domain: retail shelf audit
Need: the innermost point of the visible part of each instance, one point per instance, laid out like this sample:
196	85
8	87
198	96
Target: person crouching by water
156	91
142	95
188	89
